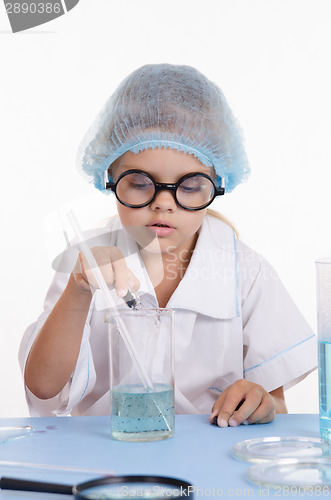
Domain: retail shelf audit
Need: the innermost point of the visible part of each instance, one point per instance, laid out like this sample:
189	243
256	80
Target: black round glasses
137	189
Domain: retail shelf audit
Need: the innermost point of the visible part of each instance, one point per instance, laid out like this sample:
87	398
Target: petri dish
133	487
11	433
262	450
301	474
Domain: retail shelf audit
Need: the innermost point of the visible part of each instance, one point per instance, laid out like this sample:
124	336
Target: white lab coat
233	320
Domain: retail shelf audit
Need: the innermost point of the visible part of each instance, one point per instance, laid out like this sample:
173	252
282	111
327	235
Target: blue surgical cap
163	105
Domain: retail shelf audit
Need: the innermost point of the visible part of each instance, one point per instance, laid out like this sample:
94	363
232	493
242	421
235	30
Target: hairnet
163	105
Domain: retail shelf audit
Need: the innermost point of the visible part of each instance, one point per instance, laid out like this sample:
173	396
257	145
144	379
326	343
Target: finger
216	408
104	266
86	273
120	270
133	281
78	278
264	413
232	399
213	417
81	282
103	259
253	401
267	418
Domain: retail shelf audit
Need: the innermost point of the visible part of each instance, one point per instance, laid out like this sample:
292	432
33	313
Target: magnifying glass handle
11	483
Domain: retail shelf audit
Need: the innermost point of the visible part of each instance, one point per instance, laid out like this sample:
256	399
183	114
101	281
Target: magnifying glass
110	488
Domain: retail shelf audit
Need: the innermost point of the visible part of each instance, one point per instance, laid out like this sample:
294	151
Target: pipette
132	299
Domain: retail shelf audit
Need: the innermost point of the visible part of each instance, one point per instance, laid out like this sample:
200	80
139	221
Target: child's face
165	166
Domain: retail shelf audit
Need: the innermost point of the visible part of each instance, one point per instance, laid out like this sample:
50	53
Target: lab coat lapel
209	285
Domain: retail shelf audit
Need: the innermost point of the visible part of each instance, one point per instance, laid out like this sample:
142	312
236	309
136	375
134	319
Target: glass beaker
323	271
141	412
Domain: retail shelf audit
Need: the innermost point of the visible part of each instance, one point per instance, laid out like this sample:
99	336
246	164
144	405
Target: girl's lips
161	228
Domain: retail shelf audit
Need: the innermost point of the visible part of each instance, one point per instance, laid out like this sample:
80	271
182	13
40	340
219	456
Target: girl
166	143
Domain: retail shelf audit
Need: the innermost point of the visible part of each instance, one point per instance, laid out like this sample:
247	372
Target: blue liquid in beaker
140	414
324	376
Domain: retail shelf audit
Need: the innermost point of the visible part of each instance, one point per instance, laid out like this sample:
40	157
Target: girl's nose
164	201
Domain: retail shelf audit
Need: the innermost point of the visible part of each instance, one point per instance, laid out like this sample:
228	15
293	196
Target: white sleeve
83	378
280	348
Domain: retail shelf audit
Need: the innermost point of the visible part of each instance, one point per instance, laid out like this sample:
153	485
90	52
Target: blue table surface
199	452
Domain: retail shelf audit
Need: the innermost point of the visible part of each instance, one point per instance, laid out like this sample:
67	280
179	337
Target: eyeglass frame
161	186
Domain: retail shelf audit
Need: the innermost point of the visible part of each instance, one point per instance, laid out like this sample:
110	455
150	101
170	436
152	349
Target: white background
272	60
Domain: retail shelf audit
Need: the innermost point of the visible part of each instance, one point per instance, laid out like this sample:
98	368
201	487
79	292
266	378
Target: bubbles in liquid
142	414
324	375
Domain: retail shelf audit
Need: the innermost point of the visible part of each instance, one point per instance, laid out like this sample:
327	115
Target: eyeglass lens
138	189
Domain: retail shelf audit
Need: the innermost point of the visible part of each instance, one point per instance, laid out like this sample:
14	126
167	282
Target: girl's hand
245	403
113	268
